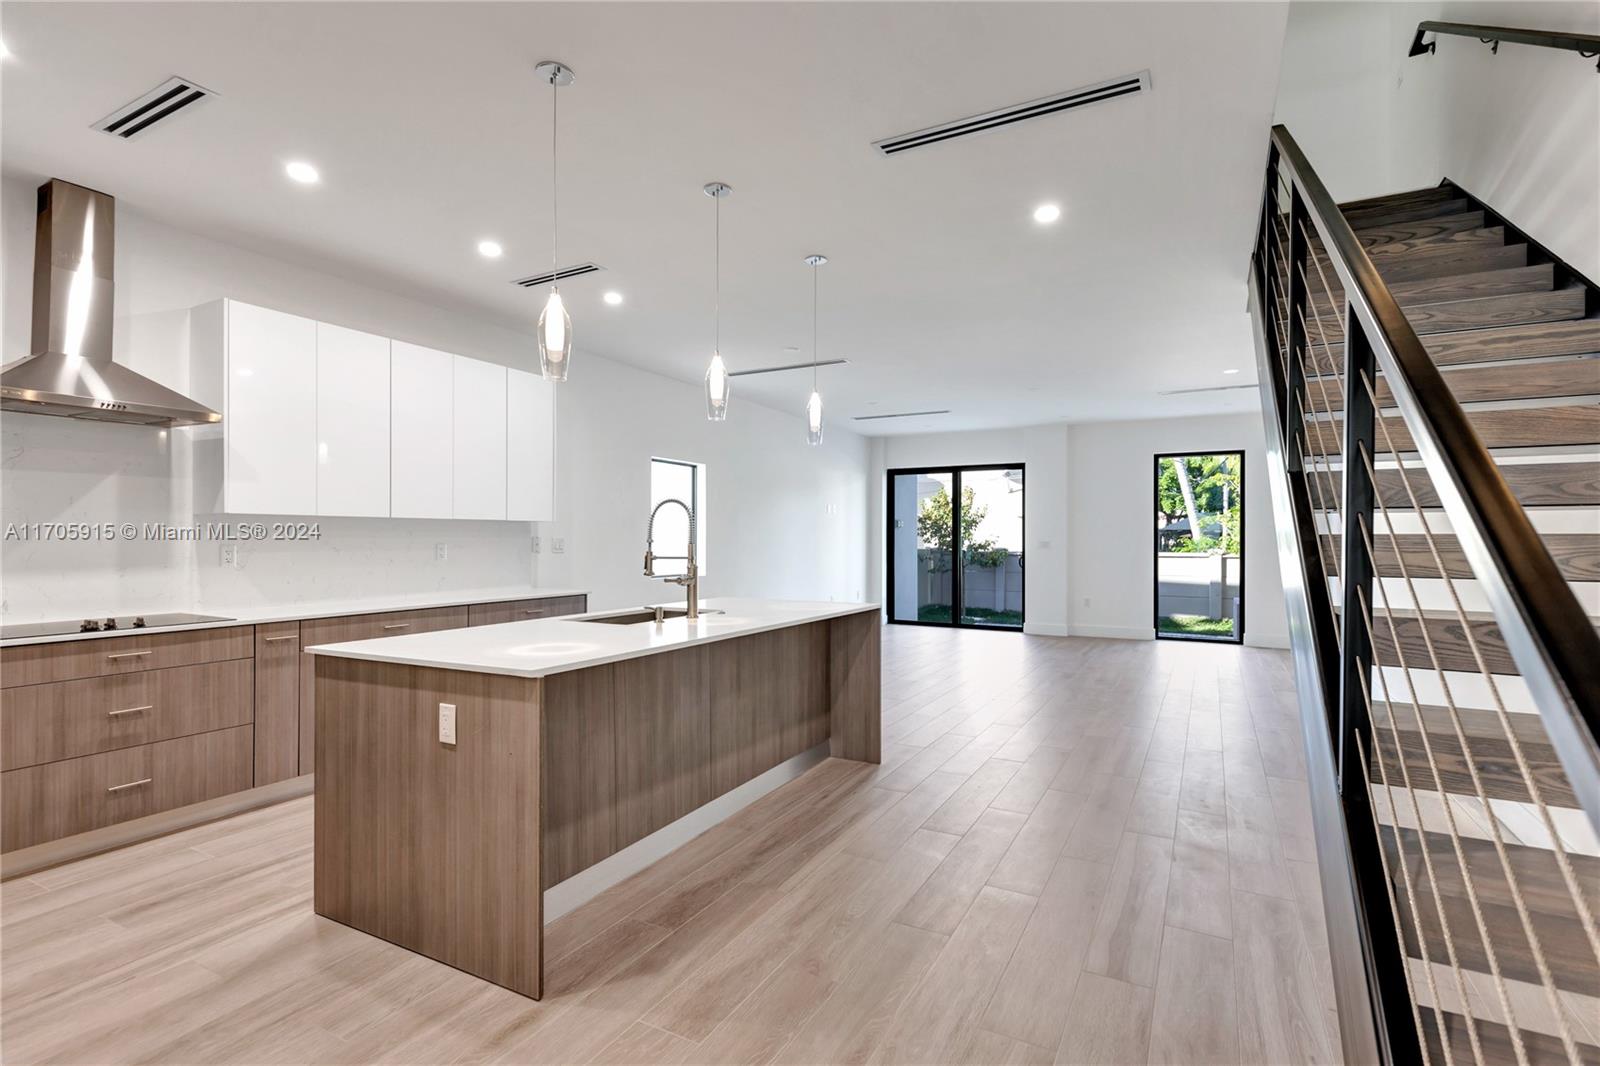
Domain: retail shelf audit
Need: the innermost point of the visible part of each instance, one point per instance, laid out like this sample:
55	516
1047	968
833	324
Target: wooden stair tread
1491	755
1452	259
1423	194
1407	212
1496	343
1418	229
1538	876
1555	484
1451	643
1495	1040
1475	722
1540	277
1576	554
1472	384
1518	427
1475	313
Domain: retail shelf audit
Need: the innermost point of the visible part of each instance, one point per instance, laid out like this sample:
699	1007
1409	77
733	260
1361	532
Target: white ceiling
431	133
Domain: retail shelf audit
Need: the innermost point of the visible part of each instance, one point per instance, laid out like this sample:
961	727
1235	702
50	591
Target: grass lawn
1194	625
983	616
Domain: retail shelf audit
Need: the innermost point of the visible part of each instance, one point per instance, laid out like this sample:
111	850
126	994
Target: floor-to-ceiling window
955	551
1199	546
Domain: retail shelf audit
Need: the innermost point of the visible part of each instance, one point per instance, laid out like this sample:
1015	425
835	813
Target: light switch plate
447	723
558	544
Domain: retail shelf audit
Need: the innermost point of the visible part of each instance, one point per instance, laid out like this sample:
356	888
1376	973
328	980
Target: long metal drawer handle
131	710
127	654
397	625
130	784
274	640
531	610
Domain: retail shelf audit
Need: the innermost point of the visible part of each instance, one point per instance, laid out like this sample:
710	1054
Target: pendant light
555	325
717	380
814	405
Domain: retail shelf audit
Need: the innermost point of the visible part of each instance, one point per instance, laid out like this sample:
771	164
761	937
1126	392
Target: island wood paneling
663	725
768	695
579	777
855	667
314	631
431	846
277	702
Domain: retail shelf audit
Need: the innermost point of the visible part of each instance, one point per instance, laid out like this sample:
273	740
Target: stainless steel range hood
70	372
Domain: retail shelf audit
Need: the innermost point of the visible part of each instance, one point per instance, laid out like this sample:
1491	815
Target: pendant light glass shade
718	384
555	339
814	418
555	325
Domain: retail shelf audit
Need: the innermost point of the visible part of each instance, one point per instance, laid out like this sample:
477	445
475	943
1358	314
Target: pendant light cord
716	343
814	327
555	202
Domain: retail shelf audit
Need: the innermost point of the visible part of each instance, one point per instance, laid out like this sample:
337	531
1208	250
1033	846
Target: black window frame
1155	549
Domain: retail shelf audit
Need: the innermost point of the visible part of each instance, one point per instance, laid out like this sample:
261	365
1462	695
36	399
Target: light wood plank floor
1080	851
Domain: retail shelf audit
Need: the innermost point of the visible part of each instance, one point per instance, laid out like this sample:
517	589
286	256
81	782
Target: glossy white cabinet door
530	447
352	422
421	471
271	417
480	439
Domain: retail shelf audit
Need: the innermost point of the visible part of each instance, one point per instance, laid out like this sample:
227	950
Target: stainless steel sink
631	618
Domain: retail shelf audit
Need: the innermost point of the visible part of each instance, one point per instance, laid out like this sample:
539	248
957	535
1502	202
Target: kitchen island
460	774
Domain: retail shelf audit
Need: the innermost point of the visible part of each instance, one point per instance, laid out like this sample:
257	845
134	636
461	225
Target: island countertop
544	646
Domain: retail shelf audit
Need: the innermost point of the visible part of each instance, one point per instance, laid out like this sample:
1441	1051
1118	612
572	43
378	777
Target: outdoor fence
997	588
1195	584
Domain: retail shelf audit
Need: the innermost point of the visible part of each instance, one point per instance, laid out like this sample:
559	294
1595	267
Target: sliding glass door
1199	547
955	550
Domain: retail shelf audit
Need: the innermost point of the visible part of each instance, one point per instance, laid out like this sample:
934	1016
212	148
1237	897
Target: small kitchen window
686	481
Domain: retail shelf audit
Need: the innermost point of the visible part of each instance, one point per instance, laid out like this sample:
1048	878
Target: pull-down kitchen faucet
691	578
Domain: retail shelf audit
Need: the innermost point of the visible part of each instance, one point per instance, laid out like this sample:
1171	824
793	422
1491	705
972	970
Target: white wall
1516	129
1111	523
785	519
1043	449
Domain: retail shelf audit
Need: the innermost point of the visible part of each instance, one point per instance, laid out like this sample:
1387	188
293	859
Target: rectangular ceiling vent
902	414
1132	85
538	280
154	107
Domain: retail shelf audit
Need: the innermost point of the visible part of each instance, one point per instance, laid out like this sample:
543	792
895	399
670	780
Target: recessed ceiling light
303	172
1045	214
490	249
1234	370
613	298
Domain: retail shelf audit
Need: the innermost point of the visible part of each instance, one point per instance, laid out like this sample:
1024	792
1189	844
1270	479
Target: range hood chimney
70	372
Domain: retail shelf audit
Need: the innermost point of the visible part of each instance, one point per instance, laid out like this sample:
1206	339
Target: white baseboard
1115	632
1046	629
583	886
1252	641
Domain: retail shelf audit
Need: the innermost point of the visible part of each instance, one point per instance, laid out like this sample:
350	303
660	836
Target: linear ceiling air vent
1131	85
1207	388
901	414
536	280
156	106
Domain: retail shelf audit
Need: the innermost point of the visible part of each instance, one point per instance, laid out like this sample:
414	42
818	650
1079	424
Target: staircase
1432	386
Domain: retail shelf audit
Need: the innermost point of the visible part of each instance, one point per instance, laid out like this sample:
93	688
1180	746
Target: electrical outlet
536	545
558	544
441	552
230	555
447	723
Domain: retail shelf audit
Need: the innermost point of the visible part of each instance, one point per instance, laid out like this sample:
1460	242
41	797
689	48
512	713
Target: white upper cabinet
319	419
269	412
352	422
421	472
530	447
480	439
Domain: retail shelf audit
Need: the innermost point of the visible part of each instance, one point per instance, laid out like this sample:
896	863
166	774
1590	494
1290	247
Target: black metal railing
1585	44
1387	623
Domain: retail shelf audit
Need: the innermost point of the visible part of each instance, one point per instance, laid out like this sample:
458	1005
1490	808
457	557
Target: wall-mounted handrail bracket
1585	44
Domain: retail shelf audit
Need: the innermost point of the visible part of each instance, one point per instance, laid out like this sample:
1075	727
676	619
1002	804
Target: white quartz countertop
236	615
543	646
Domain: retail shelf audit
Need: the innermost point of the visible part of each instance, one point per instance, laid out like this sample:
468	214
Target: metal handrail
1551	639
1585	44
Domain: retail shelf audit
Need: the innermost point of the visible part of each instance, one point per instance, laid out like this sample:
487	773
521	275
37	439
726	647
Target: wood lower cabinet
316	631
277	696
34	664
59	799
488	614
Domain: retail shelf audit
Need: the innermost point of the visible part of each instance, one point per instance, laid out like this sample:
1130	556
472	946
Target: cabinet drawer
63	719
34	664
488	614
388	624
72	796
